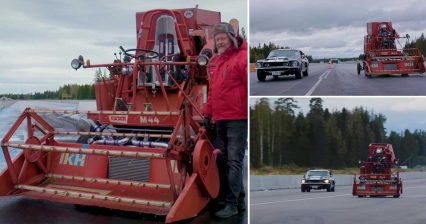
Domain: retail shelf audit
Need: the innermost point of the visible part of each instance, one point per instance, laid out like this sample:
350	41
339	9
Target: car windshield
284	53
321	173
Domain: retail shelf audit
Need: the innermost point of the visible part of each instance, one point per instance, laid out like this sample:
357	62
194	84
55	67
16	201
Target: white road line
318	82
300	199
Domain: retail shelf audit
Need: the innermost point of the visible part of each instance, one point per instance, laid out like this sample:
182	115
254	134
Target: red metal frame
183	176
378	182
382	57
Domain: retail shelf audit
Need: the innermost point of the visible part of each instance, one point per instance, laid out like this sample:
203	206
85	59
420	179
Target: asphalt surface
320	207
18	210
341	80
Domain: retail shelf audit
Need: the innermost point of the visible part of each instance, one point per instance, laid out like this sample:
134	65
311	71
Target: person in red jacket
227	106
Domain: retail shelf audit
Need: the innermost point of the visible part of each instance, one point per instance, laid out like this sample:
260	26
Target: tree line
419	43
69	91
323	138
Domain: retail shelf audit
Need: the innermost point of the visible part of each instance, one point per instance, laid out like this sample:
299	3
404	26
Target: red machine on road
146	151
381	55
377	176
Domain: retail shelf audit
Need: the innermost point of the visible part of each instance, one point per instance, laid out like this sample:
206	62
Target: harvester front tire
358	68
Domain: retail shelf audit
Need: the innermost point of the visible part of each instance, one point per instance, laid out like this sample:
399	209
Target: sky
401	112
331	28
38	39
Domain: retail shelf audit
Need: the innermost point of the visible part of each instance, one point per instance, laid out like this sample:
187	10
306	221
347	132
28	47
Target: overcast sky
331	28
401	112
38	39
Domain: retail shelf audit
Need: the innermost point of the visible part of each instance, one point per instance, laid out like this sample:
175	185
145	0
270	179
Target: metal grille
390	67
128	169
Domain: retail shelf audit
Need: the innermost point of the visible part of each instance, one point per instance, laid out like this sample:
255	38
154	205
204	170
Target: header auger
382	55
146	150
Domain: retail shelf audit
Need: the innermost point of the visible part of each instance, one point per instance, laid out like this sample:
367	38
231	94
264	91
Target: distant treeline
323	138
71	91
262	51
420	43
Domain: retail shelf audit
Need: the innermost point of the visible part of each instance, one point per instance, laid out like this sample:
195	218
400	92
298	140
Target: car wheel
305	73
404	75
299	74
308	189
302	189
261	76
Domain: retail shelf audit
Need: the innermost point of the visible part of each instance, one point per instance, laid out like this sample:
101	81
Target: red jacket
227	96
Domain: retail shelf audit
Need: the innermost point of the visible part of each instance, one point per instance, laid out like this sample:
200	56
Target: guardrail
261	183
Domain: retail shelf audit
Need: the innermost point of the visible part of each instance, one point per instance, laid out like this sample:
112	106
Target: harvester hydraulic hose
150	144
111	142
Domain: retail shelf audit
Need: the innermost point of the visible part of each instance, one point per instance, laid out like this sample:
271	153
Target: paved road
341	80
321	207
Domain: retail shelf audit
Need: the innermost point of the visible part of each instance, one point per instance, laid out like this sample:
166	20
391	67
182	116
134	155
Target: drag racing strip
300	199
322	77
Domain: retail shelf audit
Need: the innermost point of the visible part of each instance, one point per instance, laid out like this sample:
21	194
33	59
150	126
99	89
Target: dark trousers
233	135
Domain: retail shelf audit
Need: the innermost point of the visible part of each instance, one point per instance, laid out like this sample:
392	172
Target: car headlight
258	65
295	64
326	181
303	181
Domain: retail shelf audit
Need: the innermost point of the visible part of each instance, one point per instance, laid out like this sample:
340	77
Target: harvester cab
378	176
146	150
382	55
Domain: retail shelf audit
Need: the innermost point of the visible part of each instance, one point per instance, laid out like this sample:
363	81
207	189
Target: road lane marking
322	76
300	199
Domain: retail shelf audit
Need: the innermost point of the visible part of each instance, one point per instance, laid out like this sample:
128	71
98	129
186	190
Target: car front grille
274	64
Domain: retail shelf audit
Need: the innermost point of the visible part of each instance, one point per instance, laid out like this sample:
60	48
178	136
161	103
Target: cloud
329	27
40	38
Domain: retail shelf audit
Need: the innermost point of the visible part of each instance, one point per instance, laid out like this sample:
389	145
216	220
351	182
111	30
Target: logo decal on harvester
122	119
72	159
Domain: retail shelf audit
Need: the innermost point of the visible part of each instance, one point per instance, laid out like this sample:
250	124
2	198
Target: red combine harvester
381	55
147	150
376	176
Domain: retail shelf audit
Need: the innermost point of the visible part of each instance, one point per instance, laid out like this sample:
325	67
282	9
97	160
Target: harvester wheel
358	68
261	76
